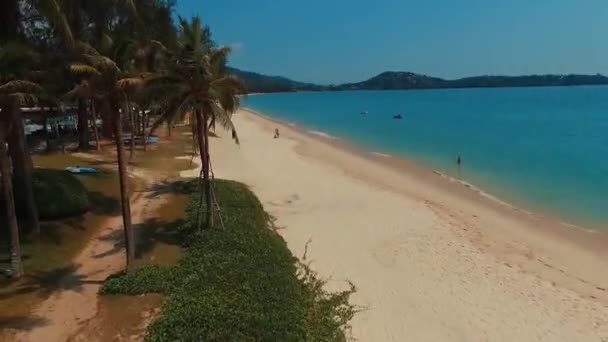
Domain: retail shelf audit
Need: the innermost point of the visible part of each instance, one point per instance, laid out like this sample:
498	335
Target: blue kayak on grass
81	170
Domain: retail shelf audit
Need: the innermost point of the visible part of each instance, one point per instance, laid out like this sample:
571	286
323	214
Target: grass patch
240	283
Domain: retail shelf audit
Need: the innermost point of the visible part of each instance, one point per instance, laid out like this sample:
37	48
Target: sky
337	41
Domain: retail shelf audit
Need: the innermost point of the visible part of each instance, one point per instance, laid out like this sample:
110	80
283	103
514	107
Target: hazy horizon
349	41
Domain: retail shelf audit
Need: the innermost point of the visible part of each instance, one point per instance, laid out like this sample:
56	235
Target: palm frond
83	48
20	86
24	99
53	11
83	69
82	90
130	83
225	119
16	58
101	62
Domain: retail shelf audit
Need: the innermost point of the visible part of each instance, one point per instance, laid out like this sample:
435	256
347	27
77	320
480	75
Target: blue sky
335	41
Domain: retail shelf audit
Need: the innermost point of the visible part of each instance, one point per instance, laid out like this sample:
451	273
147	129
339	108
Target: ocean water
543	149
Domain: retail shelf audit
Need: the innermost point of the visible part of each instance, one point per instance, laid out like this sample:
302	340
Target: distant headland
392	80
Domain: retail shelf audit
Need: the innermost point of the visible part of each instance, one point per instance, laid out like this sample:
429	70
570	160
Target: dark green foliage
148	279
240	283
58	194
258	83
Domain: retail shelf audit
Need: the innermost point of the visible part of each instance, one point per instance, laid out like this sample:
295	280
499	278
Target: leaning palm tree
195	82
13	94
110	85
15	61
9	203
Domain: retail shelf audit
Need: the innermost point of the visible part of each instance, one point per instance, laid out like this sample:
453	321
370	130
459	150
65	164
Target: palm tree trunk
124	192
144	127
7	193
207	175
46	132
95	131
83	127
200	127
132	124
23	168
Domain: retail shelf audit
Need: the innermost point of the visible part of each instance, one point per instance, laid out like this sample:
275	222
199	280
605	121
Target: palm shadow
166	187
147	235
22	323
45	283
102	204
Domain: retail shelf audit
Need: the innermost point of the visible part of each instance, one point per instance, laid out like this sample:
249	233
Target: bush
240	283
57	193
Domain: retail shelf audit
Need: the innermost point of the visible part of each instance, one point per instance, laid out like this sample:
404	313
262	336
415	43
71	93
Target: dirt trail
62	314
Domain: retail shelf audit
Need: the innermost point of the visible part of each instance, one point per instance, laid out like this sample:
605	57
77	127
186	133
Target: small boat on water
364	112
81	170
398	116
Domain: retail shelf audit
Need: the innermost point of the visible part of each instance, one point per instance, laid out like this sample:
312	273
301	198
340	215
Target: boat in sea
397	116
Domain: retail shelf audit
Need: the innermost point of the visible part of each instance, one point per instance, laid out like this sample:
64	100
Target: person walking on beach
276	133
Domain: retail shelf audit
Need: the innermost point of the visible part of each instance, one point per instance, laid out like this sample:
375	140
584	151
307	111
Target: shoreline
529	225
404	164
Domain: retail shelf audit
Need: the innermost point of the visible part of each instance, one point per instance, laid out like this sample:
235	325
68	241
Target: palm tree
109	86
196	81
7	196
13	94
15	60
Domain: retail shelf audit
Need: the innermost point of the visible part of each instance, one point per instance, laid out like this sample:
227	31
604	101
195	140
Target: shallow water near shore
539	148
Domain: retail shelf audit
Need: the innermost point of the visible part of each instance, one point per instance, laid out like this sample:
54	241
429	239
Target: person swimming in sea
459	161
276	133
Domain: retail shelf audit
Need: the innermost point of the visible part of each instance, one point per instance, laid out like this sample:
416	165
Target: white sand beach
432	260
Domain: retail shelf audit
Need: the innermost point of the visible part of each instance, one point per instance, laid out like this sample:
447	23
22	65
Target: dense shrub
57	193
240	283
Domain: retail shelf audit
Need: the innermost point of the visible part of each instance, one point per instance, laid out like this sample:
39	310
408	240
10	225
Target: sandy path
430	264
66	310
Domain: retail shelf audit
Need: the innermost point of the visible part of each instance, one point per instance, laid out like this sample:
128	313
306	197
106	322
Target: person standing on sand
276	133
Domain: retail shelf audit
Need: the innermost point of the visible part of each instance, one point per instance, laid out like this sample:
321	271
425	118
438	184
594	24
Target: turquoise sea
544	149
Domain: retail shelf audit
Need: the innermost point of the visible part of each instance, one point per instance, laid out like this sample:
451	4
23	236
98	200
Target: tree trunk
137	123
7	193
23	168
124	192
207	174
129	114
95	131
83	126
46	132
201	126
144	128
107	129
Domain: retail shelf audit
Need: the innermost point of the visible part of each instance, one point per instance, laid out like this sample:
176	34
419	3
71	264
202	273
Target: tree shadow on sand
45	283
22	323
147	235
166	187
102	204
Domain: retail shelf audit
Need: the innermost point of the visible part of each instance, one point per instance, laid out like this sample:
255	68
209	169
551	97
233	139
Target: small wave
379	154
323	134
